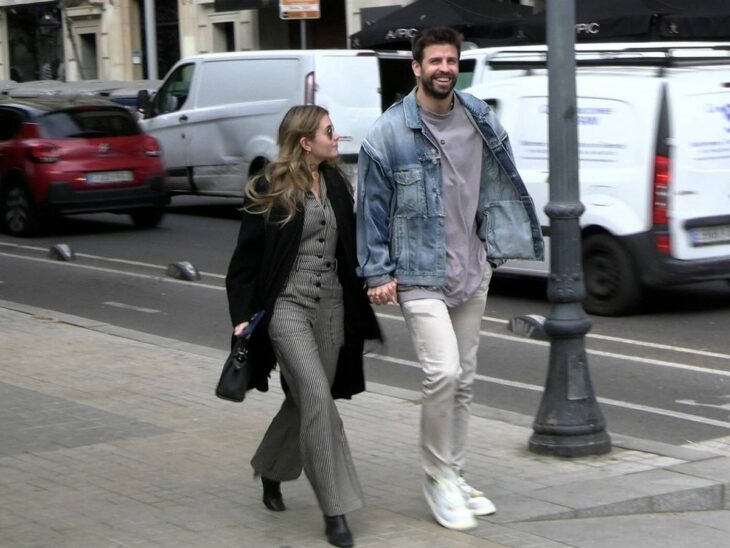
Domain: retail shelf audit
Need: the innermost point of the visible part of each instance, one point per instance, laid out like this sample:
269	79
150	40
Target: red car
65	155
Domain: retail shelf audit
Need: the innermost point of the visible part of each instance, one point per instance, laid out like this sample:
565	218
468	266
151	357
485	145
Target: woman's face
324	144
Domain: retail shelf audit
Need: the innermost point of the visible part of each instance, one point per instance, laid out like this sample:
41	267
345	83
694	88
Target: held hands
239	328
384	294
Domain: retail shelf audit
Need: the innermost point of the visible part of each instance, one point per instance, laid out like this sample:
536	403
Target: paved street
112	437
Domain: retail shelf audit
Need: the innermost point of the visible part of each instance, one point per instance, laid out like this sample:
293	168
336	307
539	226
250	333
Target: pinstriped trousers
307	332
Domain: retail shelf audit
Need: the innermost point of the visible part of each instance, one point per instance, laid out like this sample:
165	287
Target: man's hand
384	294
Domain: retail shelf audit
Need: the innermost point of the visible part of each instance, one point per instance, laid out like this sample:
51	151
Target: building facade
105	39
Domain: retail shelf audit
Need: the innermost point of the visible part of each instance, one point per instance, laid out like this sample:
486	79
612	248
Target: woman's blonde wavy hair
289	176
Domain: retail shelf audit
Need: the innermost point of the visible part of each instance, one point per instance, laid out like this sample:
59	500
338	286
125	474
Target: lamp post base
597	443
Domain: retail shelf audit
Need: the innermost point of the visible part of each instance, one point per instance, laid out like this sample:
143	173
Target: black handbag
237	370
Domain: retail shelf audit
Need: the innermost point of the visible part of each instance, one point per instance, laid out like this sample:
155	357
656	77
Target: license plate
105	177
710	235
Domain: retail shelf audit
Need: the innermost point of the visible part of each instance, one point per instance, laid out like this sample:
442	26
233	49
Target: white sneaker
475	499
447	504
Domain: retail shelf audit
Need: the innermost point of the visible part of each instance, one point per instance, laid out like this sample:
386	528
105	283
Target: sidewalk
111	437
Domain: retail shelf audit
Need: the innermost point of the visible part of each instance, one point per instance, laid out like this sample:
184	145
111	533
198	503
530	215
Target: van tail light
660	202
310	88
44	153
151	146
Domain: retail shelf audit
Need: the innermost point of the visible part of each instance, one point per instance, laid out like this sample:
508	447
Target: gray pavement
111	437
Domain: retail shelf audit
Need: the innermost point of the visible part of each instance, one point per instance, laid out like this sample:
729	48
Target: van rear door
699	189
348	86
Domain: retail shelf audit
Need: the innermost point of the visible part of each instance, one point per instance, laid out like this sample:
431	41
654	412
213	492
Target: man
440	203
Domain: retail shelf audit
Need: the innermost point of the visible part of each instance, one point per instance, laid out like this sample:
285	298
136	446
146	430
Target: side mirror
144	103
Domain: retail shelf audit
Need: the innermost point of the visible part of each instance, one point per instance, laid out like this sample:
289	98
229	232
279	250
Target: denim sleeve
375	193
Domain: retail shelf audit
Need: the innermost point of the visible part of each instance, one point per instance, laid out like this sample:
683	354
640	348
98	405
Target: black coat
261	263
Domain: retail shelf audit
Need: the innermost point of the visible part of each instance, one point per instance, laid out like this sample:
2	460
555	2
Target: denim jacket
400	209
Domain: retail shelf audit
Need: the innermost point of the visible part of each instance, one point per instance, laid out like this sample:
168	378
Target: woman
295	259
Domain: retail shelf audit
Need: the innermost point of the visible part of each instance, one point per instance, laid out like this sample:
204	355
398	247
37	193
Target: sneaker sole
483	511
454	525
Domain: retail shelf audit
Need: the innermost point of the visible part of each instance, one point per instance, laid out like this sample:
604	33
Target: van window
249	80
466	73
349	81
604	129
396	79
174	92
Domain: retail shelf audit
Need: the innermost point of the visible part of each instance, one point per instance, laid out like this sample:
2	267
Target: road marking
695	403
602	353
635	342
606	401
100	258
657	346
131	307
112	271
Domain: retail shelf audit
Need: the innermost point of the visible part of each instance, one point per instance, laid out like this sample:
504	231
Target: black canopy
598	20
480	21
601	21
695	20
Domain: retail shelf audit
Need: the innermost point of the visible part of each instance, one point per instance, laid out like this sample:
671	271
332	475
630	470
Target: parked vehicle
217	115
62	156
654	152
489	64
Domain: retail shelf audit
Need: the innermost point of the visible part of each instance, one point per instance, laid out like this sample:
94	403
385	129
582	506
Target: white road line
657	346
100	258
112	271
131	307
635	342
626	357
607	401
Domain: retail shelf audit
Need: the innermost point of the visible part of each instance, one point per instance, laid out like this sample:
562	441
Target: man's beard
430	89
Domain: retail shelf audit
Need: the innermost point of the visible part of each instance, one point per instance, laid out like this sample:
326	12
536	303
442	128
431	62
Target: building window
224	38
35	42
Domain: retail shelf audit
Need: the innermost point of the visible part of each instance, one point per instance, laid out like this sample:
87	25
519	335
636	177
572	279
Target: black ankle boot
337	531
272	495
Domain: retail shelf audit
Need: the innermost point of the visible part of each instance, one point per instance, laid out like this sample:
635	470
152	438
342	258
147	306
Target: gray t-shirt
460	147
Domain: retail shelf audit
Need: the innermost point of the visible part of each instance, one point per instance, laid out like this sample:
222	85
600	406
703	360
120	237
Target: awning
477	20
626	20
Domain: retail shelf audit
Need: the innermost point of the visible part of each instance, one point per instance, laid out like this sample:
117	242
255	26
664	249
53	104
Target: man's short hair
435	36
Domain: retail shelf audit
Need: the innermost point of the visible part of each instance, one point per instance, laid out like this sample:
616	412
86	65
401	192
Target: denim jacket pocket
507	231
410	192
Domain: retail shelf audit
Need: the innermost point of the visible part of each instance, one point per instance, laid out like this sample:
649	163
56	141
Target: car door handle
183	118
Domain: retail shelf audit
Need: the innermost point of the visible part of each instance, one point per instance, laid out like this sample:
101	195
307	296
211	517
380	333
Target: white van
489	64
217	115
654	155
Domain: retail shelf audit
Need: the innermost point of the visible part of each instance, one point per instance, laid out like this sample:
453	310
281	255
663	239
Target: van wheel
19	210
612	286
148	217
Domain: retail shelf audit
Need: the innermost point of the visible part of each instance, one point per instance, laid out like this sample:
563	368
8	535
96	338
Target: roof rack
634	56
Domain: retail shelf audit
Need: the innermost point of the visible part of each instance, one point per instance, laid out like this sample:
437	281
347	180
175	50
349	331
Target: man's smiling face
438	71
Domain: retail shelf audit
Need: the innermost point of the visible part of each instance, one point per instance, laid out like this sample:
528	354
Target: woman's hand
384	294
239	328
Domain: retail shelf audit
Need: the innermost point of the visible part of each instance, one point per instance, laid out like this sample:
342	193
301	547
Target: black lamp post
569	422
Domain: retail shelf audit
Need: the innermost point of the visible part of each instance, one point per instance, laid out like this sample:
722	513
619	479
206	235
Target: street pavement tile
646	530
34	422
716	469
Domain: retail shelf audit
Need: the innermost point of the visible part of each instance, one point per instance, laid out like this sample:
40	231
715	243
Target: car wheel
612	286
19	211
148	217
